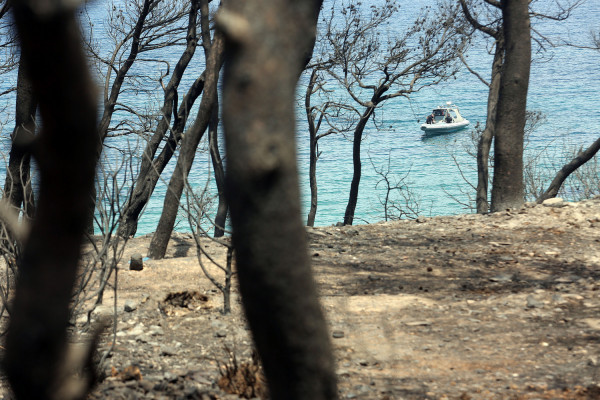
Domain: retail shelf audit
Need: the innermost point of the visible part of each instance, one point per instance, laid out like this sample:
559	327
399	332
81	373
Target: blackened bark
568	169
111	101
66	150
189	144
508	187
266	49
17	186
219	172
357	165
152	166
485	141
312	167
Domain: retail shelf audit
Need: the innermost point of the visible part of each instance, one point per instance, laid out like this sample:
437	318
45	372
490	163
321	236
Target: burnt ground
499	306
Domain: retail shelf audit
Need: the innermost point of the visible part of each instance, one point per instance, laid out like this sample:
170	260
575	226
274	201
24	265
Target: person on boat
430	118
448	118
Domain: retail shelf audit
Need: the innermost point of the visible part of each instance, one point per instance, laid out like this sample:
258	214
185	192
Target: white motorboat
444	119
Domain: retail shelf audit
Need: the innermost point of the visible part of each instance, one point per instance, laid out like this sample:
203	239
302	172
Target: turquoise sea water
564	85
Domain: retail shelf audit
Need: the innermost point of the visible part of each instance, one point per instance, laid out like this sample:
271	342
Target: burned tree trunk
357	165
66	150
508	188
151	165
267	42
485	141
219	172
581	158
189	144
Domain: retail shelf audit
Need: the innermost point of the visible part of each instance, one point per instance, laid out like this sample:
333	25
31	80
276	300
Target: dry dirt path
502	306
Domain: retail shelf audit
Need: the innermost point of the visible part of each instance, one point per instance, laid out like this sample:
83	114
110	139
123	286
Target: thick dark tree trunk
266	48
17	186
66	150
485	141
189	144
508	187
152	166
356	162
568	169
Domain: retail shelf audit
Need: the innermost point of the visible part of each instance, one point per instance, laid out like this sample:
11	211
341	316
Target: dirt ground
500	306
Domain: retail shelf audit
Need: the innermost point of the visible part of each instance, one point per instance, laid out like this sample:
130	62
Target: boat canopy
444	119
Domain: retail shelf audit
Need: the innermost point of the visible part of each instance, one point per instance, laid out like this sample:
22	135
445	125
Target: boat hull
441	128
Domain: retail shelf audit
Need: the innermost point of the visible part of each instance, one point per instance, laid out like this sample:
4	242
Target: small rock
130	306
103	311
418	323
558	299
168	351
337	334
170	377
554	202
567	279
136	263
156	330
532	302
502	278
137	330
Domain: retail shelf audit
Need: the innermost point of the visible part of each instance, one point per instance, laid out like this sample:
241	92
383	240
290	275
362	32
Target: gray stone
137	262
168	351
337	334
532	302
130	305
558	299
568	279
554	202
418	323
502	278
137	330
103	311
156	330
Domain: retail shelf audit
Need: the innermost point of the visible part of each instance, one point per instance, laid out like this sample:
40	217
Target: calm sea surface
565	86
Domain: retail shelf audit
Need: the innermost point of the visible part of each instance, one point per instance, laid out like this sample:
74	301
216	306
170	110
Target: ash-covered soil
499	306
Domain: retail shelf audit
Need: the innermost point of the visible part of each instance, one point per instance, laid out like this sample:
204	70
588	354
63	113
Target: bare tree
582	157
398	201
268	43
316	115
189	144
196	209
171	124
66	151
372	70
135	27
486	18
